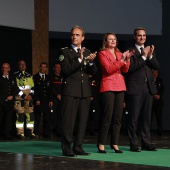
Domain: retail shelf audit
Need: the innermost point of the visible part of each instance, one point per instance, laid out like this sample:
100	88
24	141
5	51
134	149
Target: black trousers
111	113
55	118
157	112
139	106
42	120
74	110
7	119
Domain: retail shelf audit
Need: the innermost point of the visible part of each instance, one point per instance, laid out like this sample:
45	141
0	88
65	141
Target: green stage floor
48	148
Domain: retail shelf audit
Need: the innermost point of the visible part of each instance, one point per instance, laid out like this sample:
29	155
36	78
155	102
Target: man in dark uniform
42	101
8	90
76	64
56	81
94	106
158	101
140	90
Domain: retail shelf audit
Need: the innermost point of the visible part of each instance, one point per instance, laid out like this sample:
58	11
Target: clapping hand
92	56
126	55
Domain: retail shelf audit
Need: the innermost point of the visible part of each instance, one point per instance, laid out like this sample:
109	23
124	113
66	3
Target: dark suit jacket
138	70
56	82
75	74
42	89
8	87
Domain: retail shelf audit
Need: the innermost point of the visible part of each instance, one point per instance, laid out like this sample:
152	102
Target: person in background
56	81
158	101
94	107
24	101
43	101
76	64
140	90
112	88
8	90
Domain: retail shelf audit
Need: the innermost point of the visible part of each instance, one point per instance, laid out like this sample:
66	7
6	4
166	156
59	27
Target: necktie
141	49
43	77
146	79
78	50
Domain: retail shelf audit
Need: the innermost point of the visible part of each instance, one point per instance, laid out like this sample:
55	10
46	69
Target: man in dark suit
158	101
42	101
140	90
8	90
76	63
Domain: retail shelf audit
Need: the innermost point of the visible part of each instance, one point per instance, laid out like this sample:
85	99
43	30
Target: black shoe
148	148
81	153
69	154
99	150
9	138
160	133
116	150
33	136
135	149
92	133
21	136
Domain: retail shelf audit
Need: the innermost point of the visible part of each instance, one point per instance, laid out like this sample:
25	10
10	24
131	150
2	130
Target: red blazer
112	79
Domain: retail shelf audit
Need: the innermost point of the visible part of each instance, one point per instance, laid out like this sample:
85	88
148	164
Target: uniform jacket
56	82
25	82
160	89
75	74
138	71
112	79
8	87
42	89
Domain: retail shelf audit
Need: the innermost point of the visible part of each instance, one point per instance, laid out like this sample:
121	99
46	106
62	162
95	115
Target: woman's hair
104	45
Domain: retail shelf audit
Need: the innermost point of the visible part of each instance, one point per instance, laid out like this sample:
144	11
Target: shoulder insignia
61	57
64	48
87	49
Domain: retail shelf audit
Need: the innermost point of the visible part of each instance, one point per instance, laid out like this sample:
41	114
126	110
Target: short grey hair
79	27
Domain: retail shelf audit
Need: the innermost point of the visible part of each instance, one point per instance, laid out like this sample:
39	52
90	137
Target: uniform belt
57	82
93	84
24	87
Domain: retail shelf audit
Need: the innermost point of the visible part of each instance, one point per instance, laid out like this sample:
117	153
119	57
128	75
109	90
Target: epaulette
87	49
64	48
28	74
17	72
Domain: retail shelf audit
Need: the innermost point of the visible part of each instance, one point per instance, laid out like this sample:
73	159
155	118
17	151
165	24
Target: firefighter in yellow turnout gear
24	101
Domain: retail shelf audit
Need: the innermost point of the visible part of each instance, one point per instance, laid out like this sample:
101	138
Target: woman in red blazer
112	88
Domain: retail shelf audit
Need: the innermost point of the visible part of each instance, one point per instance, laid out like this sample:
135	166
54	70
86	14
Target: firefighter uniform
94	106
76	93
56	82
24	107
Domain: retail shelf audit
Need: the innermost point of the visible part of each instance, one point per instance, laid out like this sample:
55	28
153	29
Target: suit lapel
110	56
137	51
74	54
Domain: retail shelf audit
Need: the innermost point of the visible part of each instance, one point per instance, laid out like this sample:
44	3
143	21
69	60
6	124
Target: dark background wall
15	44
165	60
